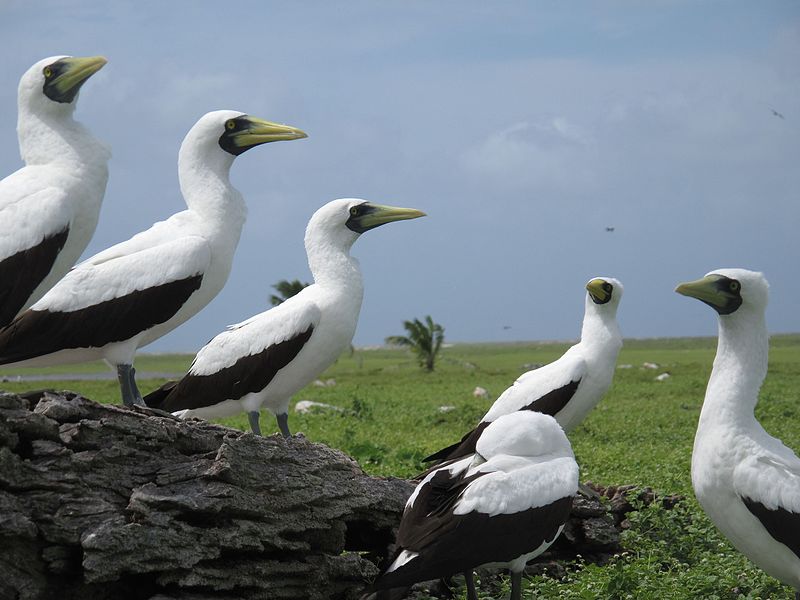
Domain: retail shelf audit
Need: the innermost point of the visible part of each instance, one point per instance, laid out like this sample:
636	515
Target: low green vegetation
392	416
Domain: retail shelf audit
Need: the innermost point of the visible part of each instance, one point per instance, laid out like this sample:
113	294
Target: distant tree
423	338
286	289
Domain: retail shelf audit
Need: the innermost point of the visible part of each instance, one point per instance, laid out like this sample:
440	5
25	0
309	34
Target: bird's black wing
445	543
782	524
22	272
251	373
41	332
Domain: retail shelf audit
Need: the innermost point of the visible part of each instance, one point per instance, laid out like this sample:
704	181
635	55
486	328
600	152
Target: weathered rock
105	502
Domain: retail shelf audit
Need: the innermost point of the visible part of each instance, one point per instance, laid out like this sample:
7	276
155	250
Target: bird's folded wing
769	485
771	479
32	234
27	218
430	513
242	359
92	283
546	389
95	305
258	333
514	484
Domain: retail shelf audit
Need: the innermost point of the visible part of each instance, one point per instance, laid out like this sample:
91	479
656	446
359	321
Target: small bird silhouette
777	114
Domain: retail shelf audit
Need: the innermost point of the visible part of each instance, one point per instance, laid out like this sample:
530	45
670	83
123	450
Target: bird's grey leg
128	396
516	585
471	593
797	596
283	424
253	417
137	395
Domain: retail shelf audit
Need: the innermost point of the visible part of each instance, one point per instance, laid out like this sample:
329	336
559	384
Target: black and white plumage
49	208
501	506
747	481
263	361
570	387
136	291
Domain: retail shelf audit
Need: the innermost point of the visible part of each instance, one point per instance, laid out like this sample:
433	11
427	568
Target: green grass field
640	433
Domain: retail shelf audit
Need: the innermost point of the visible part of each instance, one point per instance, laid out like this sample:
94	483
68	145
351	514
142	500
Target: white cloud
548	153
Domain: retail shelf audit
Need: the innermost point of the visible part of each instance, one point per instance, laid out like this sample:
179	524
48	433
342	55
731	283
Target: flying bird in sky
776	113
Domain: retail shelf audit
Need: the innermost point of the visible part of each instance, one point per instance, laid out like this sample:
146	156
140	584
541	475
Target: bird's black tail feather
155	399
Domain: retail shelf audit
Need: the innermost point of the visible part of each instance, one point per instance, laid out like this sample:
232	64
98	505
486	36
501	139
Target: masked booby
49	207
501	505
264	360
138	290
570	387
747	481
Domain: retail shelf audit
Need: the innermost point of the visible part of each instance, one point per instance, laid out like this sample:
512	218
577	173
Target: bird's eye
48	72
607	287
734	286
230	125
354	211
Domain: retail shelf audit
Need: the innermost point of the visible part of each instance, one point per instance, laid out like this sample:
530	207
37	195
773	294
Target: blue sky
524	129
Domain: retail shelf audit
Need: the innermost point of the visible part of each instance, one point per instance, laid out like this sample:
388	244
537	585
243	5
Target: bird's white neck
58	138
206	187
600	330
332	266
740	367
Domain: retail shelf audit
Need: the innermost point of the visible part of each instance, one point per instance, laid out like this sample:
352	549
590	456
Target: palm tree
286	289
424	339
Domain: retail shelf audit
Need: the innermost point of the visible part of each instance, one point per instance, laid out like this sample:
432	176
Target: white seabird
136	291
49	208
264	360
569	387
747	481
500	506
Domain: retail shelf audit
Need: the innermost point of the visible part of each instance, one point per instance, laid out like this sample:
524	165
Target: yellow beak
259	131
78	70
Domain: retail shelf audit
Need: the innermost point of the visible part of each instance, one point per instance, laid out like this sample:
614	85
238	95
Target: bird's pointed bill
375	215
718	291
258	131
66	76
597	290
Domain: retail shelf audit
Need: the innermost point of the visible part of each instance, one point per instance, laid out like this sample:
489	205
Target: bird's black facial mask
603	294
233	128
53	90
356	221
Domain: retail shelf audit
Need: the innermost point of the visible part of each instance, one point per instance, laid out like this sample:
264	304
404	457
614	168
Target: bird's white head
222	135
604	294
524	433
51	86
340	222
730	291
